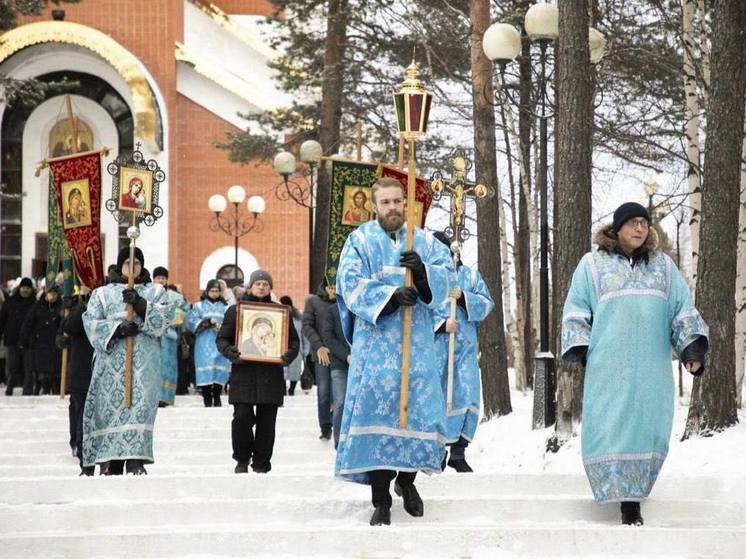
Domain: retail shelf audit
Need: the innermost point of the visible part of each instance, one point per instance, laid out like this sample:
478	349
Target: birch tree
741	284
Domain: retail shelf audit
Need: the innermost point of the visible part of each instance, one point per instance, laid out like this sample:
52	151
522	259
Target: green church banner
350	206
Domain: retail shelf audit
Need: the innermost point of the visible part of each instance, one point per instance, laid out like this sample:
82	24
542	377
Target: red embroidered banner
422	195
77	183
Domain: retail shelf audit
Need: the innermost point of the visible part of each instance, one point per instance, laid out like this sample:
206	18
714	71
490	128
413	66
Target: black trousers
17	368
380	480
253	443
77	406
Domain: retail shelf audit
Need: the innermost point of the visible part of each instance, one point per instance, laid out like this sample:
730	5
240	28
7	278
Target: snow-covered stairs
192	505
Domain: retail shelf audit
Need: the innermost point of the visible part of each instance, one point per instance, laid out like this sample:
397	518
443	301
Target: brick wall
245	8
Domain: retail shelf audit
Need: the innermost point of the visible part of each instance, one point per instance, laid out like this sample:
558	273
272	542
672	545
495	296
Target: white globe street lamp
501	42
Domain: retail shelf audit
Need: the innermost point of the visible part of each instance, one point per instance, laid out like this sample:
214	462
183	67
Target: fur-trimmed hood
608	242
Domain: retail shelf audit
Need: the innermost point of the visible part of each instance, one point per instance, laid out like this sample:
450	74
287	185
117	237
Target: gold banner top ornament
412	105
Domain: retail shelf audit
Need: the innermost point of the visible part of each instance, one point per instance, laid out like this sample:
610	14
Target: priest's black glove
62	341
127	330
205	324
410	259
132	297
231	353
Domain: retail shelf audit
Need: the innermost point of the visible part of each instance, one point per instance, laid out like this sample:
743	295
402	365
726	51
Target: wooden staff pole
132	233
65	352
408	281
400	160
359	141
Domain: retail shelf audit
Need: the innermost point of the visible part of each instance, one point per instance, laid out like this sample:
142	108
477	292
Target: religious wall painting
136	190
76	204
357	206
262	331
61	138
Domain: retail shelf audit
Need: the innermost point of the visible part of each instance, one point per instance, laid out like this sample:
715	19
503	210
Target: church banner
77	182
58	255
351	203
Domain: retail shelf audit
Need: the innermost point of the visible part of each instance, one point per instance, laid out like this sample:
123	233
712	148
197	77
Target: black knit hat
257	275
211	284
627	211
160	271
26	282
124	254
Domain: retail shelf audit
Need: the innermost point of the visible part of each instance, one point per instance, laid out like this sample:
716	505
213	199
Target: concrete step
405	537
174	486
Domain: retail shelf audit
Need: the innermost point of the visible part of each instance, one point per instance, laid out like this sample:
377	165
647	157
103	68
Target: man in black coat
317	306
72	336
257	389
38	336
334	339
12	315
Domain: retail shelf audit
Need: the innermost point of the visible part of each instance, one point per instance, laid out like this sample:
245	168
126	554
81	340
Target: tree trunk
511	333
523	264
329	128
713	403
494	366
572	190
691	119
741	284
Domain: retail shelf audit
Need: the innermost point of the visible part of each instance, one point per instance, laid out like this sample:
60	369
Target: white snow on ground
521	503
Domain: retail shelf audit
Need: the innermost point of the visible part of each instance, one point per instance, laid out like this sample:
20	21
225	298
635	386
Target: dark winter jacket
334	339
39	332
316	308
80	361
13	314
254	382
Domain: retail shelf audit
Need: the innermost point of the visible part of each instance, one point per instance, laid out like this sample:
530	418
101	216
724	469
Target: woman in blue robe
211	368
628	306
473	304
113	434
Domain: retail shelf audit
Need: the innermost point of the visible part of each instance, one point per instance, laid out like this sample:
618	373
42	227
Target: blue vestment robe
209	365
111	431
629	318
371	439
170	348
463	418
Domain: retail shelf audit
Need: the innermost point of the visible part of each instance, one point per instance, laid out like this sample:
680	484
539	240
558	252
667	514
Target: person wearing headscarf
38	339
116	437
627	308
210	367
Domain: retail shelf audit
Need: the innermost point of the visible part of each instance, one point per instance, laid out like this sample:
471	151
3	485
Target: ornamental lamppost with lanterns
239	224
302	193
502	45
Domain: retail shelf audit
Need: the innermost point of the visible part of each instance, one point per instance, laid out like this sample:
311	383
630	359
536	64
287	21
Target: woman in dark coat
256	389
38	336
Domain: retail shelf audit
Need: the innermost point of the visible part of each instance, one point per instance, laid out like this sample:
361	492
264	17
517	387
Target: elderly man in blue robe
113	434
627	307
373	448
473	304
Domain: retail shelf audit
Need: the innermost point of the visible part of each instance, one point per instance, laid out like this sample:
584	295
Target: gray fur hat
257	275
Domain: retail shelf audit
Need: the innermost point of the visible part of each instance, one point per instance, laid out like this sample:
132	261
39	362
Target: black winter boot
460	465
87	471
631	513
291	390
112	468
381	516
216	401
412	500
207	395
136	468
241	468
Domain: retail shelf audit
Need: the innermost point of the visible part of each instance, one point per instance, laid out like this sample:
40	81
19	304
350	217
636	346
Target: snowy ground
521	502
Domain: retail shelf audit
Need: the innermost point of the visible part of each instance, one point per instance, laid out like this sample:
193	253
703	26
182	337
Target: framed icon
262	331
357	207
76	204
136	190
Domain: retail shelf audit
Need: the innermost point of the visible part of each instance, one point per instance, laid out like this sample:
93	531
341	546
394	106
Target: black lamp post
502	44
240	224
303	194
